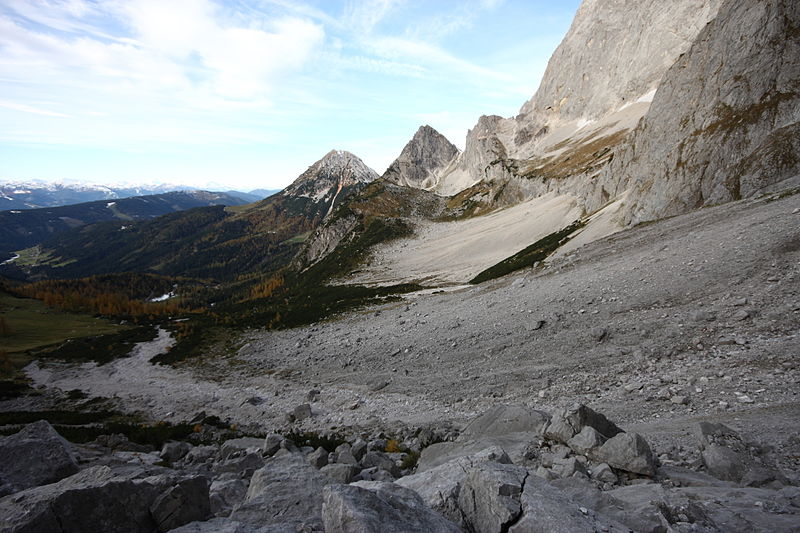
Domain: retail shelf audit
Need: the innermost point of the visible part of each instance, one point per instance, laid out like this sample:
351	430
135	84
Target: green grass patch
527	257
30	324
297	239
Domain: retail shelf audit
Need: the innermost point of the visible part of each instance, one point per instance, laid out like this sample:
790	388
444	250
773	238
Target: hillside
25	228
211	242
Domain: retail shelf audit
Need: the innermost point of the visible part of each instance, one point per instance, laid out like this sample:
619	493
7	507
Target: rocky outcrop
425	155
34	456
287	490
368	506
92	500
724	122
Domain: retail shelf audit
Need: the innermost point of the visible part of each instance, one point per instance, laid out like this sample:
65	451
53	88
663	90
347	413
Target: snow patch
648	97
163	297
109	204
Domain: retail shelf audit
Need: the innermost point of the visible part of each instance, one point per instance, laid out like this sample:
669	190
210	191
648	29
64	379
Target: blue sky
248	93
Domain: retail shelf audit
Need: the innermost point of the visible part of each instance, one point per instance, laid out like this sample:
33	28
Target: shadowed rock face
724	122
427	153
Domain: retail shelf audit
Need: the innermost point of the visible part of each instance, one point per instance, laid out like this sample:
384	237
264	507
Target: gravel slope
701	309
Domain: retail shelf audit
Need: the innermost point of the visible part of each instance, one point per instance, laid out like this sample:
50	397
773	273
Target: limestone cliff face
425	155
611	61
615	52
725	122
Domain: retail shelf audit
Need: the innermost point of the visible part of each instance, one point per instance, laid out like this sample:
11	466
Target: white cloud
31	109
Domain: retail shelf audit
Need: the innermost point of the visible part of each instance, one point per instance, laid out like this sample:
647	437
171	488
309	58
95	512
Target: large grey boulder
545	509
489	497
185	502
570	422
341	473
225	494
727	456
286	490
94	499
374	506
35	455
439	487
240	446
629	452
505	419
586	441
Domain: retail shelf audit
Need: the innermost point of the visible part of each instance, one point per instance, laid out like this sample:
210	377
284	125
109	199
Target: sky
246	94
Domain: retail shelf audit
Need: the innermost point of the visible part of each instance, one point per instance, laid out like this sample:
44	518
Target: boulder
36	455
286	490
240	446
571	421
628	452
341	473
244	465
727	456
367	507
546	509
225	494
439	486
588	439
604	473
504	420
381	461
271	444
94	499
186	502
174	451
489	497
358	449
318	458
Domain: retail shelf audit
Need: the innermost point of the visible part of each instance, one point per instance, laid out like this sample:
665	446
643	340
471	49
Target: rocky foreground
512	469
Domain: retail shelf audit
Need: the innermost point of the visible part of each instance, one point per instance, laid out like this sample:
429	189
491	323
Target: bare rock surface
286	490
425	155
34	456
723	124
366	507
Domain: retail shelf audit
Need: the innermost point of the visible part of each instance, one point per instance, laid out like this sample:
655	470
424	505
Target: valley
586	320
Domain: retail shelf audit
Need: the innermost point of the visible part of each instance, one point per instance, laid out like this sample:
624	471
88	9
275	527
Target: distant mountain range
35	195
23	228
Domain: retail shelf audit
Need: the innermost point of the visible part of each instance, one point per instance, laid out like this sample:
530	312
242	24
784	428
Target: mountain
35	195
724	124
24	228
336	173
426	154
642	113
212	242
262	193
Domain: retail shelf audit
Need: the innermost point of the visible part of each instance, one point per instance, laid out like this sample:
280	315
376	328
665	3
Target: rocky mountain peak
337	169
426	154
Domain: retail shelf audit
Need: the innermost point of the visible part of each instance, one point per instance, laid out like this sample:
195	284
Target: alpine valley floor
660	326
